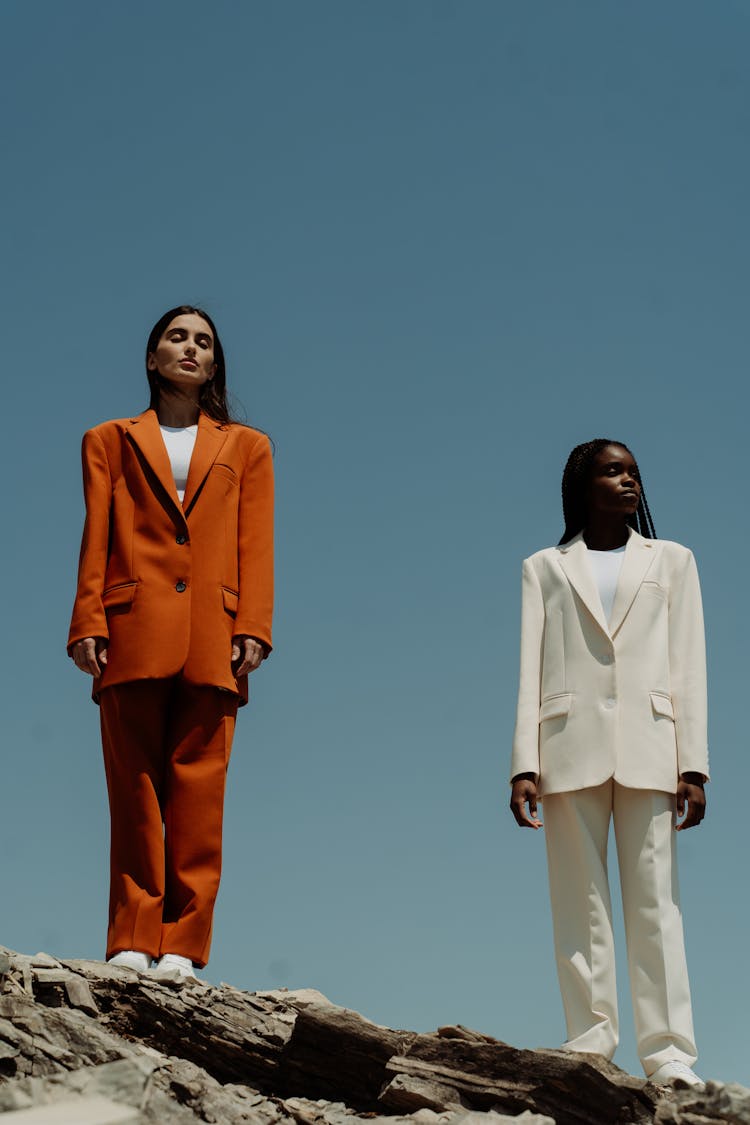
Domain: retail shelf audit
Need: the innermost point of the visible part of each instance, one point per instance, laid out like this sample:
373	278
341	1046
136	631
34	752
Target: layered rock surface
82	1043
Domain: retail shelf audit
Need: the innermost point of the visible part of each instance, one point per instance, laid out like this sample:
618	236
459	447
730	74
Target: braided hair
574	485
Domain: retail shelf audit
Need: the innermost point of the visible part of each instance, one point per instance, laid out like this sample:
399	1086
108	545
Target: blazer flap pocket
231	600
555	707
662	704
122	594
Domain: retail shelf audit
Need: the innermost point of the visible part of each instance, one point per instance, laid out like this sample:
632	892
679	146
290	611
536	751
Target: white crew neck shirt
180	442
606	566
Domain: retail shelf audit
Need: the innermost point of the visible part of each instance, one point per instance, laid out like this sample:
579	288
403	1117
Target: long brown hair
213	394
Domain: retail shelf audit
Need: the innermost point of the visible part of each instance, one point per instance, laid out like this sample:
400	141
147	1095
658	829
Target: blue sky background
444	242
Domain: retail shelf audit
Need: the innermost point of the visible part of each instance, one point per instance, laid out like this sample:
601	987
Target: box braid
574	482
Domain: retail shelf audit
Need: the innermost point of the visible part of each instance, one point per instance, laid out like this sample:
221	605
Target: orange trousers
166	751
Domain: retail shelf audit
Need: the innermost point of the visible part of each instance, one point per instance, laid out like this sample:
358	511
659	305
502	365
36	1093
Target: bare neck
177	408
602	534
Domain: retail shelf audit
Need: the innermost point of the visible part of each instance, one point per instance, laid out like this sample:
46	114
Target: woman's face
185	352
614	484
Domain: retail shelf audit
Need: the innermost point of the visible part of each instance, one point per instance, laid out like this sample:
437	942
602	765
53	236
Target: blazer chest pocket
661	705
225	471
231	600
119	598
555	706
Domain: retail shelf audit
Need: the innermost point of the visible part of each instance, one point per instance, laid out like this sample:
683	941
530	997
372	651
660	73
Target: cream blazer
625	700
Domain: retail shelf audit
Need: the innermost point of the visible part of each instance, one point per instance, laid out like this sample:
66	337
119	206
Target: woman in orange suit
172	612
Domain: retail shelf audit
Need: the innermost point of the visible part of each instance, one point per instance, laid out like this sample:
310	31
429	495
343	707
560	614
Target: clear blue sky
444	242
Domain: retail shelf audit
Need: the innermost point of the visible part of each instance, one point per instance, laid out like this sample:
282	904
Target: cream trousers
576	827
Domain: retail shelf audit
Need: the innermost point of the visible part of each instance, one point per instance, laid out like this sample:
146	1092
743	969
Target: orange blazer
169	583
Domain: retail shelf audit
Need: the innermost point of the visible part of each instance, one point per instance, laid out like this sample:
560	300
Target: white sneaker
131	959
670	1073
171	964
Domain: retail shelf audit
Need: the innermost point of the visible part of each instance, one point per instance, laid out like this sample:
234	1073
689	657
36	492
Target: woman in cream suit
611	723
172	611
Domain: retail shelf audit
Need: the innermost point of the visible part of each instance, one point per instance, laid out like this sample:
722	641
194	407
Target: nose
189	348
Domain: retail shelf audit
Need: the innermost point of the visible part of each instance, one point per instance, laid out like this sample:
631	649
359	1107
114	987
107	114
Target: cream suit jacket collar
639	554
144	432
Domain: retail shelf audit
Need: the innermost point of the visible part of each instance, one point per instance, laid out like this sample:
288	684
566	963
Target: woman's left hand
690	795
247	653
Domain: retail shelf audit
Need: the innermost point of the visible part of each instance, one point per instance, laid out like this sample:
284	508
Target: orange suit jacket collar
145	433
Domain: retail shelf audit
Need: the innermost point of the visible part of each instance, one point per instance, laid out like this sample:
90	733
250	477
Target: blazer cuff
251	629
97	634
702	769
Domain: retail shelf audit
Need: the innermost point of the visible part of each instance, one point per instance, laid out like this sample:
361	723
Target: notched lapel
144	432
574	561
209	440
639	555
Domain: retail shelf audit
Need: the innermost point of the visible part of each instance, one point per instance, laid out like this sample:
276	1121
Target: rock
410	1094
44	961
717	1103
56	986
492	1118
337	1054
483	1074
115	1085
297	997
79	995
78	1111
85	1037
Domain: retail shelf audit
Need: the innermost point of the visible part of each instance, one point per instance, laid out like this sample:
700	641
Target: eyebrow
616	462
198	335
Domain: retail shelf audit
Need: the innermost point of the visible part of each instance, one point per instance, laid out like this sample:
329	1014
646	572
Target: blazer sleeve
525	757
687	661
89	618
255	608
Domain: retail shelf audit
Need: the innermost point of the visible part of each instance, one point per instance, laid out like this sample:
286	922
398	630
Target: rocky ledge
82	1043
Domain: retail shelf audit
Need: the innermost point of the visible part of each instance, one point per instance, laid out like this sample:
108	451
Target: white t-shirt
180	442
606	566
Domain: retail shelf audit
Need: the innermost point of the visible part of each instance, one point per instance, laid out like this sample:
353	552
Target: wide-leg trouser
166	750
576	827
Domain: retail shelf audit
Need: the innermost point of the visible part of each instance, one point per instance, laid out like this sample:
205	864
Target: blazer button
181	587
181	539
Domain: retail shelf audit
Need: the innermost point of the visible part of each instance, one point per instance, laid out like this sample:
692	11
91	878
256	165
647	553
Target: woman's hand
524	790
90	655
248	652
690	794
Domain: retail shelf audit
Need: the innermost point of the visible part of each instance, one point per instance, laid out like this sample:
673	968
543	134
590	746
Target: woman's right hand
90	655
524	792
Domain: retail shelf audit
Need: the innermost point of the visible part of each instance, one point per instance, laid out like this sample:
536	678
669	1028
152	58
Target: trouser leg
576	826
647	855
133	720
199	736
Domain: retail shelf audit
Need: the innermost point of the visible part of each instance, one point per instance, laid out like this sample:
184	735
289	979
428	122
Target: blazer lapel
575	563
145	434
209	440
639	554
